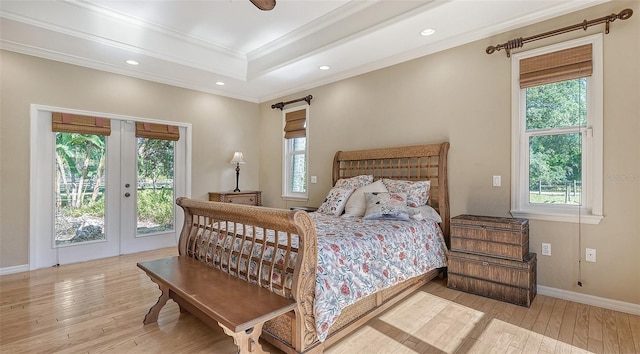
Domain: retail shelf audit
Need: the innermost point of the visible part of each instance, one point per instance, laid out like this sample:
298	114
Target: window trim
591	210
285	161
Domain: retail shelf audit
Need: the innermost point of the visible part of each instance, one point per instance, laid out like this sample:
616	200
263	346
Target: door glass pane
155	202
555	169
79	188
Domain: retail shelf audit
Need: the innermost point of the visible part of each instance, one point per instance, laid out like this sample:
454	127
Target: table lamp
237	159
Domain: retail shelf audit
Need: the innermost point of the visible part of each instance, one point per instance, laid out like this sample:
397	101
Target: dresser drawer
246	197
491	236
241	199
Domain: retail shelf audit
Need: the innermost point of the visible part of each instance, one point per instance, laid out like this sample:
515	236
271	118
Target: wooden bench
239	307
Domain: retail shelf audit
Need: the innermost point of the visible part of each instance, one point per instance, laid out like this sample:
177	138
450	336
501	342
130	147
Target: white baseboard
14	269
610	304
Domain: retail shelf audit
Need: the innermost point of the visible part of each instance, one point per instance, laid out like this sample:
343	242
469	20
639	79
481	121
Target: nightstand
246	197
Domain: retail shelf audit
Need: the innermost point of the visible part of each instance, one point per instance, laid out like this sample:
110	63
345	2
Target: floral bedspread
357	258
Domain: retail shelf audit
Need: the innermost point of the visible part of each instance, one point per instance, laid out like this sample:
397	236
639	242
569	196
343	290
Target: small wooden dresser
490	257
246	197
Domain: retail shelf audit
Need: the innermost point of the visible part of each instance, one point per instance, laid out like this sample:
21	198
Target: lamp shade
237	158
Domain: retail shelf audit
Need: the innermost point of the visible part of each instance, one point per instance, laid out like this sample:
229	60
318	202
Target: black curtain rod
519	42
280	105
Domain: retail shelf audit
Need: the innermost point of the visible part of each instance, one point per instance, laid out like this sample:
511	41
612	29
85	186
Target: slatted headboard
412	163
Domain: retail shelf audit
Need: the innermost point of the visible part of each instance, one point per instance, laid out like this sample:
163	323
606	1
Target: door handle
127	194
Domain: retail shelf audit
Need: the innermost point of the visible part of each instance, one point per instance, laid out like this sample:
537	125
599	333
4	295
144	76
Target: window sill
295	199
560	217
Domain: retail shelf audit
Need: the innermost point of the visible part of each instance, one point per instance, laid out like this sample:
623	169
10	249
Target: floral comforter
357	258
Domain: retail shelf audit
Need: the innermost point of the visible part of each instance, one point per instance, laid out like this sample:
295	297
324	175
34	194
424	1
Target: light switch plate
497	181
590	255
546	249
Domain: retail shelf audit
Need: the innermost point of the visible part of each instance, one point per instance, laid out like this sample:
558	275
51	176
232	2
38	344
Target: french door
100	196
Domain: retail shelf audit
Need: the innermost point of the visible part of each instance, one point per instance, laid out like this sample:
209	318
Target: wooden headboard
412	163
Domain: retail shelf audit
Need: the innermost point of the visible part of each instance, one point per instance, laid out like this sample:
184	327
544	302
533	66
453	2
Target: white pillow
334	202
425	212
357	205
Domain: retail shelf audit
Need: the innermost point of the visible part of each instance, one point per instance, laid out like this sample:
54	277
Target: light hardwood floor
98	307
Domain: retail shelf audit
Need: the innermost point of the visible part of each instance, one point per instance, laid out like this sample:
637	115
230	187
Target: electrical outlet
497	181
591	255
546	249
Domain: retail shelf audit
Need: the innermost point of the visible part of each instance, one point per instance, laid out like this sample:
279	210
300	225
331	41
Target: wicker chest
490	236
497	278
490	257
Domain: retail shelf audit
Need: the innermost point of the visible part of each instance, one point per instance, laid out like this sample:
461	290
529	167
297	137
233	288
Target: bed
312	257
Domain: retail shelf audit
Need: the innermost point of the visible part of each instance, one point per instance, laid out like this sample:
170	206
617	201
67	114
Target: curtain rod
519	42
280	105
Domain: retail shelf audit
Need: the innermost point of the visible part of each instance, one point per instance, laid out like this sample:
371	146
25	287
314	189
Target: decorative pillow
417	192
355	182
334	202
386	206
425	212
357	205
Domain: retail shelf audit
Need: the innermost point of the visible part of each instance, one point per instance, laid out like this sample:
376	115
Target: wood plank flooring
98	307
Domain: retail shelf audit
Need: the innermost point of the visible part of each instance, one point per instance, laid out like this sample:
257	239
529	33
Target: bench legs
154	311
247	341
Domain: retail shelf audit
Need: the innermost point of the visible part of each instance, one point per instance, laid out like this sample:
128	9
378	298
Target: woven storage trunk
491	236
501	279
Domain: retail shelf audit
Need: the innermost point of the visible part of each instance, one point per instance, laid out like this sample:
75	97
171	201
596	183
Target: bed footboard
274	248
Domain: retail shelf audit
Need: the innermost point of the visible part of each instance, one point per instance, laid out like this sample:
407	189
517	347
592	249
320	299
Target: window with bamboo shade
557	121
295	152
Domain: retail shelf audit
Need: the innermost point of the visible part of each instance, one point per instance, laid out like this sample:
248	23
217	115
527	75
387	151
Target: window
557	132
294	184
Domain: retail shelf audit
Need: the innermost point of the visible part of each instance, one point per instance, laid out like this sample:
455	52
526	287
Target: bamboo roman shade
295	124
74	123
567	64
157	131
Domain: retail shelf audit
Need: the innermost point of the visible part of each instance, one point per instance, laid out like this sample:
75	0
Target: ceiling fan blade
264	5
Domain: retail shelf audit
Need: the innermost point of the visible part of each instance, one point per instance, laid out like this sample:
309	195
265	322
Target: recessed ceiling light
220	83
324	67
132	62
427	32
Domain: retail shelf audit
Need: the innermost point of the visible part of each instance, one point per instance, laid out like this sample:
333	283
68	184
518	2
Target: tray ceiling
259	55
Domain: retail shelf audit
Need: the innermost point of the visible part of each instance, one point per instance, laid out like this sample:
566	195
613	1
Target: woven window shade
157	131
567	64
295	124
74	123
